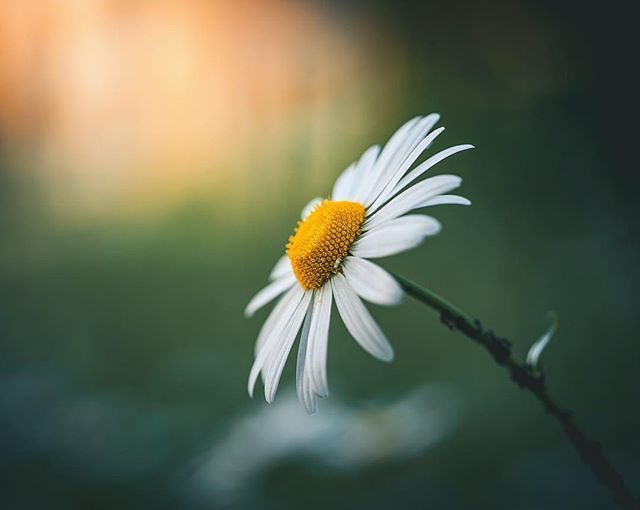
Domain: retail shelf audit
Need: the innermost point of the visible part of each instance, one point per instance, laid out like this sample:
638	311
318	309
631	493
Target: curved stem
500	350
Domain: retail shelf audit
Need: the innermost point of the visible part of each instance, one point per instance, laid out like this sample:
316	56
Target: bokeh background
154	157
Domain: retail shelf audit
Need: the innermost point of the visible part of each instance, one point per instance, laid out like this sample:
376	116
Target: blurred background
154	157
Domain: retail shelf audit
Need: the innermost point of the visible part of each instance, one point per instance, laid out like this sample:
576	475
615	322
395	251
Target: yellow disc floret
322	241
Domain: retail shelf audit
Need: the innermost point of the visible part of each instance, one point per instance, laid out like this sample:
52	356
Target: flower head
327	258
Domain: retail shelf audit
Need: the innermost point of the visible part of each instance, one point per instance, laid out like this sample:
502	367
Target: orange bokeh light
126	103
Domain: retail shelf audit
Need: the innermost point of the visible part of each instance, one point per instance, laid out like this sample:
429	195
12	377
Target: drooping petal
282	268
318	340
271	331
278	355
395	236
270	292
358	320
413	198
308	209
279	311
371	282
303	386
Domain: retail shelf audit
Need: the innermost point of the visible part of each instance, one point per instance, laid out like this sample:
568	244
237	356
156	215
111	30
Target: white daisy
327	258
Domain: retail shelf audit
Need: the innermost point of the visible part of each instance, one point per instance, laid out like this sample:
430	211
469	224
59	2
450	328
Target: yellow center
322	241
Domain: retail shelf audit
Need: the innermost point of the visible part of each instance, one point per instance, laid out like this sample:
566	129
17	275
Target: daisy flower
327	258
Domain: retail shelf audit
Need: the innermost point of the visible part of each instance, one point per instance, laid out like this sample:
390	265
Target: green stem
500	350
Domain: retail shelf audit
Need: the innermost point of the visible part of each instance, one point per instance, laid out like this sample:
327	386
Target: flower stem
500	350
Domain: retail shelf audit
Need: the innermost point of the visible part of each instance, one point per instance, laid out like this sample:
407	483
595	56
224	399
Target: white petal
278	356
402	168
271	331
398	140
278	311
371	282
446	199
426	165
308	209
344	183
393	146
413	198
358	320
403	150
303	387
270	292
405	143
318	340
364	173
395	236
282	268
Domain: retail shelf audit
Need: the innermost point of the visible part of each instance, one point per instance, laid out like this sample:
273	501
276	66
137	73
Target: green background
125	352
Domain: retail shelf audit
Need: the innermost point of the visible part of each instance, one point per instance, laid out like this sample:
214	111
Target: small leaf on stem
533	356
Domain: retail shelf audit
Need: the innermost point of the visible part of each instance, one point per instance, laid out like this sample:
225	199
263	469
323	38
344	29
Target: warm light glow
119	103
